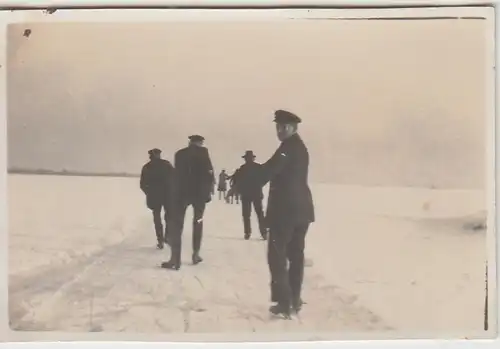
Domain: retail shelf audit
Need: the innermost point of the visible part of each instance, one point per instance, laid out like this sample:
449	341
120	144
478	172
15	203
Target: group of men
290	210
174	188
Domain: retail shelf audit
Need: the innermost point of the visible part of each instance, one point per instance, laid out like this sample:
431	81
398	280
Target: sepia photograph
302	173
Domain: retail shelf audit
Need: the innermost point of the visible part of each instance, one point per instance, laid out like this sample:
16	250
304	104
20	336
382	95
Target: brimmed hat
286	117
154	151
196	138
248	154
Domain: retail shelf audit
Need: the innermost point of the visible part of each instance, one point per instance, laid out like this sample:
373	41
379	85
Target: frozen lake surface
82	257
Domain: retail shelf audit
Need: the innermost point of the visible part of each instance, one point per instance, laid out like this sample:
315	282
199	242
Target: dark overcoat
156	182
246	181
290	199
194	174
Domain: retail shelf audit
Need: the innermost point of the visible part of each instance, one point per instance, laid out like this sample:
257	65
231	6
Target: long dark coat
290	199
246	181
156	182
194	174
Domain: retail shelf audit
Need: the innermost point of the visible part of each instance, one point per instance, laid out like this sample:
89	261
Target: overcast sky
382	102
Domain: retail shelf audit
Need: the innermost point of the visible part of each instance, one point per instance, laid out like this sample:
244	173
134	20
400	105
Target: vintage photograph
305	174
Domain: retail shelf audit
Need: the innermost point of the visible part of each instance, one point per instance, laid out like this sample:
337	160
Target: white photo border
107	340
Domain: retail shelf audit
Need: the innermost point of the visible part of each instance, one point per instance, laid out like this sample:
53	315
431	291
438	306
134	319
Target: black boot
274	293
247	227
171	265
297	305
196	258
280	309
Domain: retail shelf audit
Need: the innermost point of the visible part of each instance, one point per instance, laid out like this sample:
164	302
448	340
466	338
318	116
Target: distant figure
222	185
248	186
157	183
233	194
290	211
194	186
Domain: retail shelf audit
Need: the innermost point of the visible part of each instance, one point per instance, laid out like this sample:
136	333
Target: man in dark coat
233	193
290	211
157	183
194	187
247	184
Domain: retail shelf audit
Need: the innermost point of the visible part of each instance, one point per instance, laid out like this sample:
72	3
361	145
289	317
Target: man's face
283	131
196	143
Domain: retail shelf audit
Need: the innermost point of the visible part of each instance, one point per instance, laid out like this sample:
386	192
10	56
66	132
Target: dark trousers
222	194
235	196
246	210
161	235
180	215
286	244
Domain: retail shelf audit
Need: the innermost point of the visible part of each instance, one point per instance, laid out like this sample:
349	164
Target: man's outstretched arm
273	166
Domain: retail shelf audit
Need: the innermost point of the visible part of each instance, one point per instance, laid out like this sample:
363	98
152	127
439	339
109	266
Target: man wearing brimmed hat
157	183
195	182
246	183
290	211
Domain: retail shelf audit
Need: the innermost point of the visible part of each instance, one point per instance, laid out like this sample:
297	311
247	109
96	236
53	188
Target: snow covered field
82	258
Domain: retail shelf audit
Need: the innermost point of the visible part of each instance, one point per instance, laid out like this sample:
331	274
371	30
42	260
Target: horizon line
137	175
71	173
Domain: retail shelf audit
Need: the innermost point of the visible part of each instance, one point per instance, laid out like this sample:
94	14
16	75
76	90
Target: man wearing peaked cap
290	211
157	184
196	138
246	183
154	151
286	117
195	182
